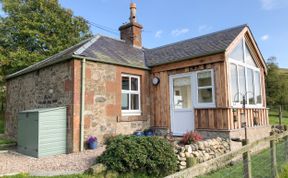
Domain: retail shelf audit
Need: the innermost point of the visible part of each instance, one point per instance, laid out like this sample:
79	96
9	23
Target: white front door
182	113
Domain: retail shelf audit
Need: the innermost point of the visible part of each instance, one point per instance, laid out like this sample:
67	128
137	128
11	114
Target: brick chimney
131	32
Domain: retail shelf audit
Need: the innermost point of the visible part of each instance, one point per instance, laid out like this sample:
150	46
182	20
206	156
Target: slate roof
114	51
98	48
196	47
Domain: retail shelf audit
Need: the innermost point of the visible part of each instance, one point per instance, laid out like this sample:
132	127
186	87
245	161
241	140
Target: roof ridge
201	36
113	38
123	41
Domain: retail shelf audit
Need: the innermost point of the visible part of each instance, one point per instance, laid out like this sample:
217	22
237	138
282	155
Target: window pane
250	92
125	101
258	88
125	83
234	83
249	59
205	95
134	84
134	102
242	82
238	53
204	79
182	93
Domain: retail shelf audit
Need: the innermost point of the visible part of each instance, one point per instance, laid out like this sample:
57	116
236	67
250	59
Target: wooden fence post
246	161
280	115
273	158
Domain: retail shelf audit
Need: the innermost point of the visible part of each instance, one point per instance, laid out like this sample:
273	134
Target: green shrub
152	155
191	161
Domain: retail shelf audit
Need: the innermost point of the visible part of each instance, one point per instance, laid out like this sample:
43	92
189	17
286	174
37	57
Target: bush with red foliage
191	137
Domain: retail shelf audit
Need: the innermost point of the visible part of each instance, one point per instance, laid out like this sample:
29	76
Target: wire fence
276	107
265	158
268	163
278	115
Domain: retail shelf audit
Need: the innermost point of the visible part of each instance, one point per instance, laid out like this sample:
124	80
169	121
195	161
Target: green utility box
42	132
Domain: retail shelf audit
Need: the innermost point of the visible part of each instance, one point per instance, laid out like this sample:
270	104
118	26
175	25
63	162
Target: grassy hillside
284	71
274	110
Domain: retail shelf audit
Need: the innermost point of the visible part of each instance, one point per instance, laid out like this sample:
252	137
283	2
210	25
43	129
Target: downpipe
82	109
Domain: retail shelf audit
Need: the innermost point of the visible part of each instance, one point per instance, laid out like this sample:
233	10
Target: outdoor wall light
155	81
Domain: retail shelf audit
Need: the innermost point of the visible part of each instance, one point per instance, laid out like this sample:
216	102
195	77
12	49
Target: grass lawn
274	119
260	165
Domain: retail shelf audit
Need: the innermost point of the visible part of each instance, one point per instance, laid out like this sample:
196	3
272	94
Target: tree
32	30
272	81
276	86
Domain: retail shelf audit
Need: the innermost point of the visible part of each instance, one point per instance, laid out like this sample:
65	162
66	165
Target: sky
168	21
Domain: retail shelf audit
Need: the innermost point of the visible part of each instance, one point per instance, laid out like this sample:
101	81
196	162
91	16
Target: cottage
116	86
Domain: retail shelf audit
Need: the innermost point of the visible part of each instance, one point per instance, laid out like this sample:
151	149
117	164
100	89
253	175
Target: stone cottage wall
60	85
103	101
45	88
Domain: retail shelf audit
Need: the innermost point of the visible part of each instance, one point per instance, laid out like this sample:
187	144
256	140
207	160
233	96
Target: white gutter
83	77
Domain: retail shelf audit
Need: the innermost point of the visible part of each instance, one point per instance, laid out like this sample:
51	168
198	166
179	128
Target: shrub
191	137
191	161
152	155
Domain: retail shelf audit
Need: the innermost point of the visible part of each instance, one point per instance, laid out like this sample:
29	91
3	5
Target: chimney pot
133	5
132	12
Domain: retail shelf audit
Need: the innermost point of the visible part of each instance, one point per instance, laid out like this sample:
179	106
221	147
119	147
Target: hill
284	72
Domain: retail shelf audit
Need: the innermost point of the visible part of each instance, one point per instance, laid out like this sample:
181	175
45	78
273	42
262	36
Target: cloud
180	31
265	37
204	28
158	34
273	4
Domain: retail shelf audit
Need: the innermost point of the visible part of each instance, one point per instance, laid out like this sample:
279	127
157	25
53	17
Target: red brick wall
76	87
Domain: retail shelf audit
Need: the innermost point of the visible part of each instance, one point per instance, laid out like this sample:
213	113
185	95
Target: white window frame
131	112
246	67
197	103
260	88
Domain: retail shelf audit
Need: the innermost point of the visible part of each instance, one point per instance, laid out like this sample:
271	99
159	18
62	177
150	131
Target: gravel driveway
12	162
